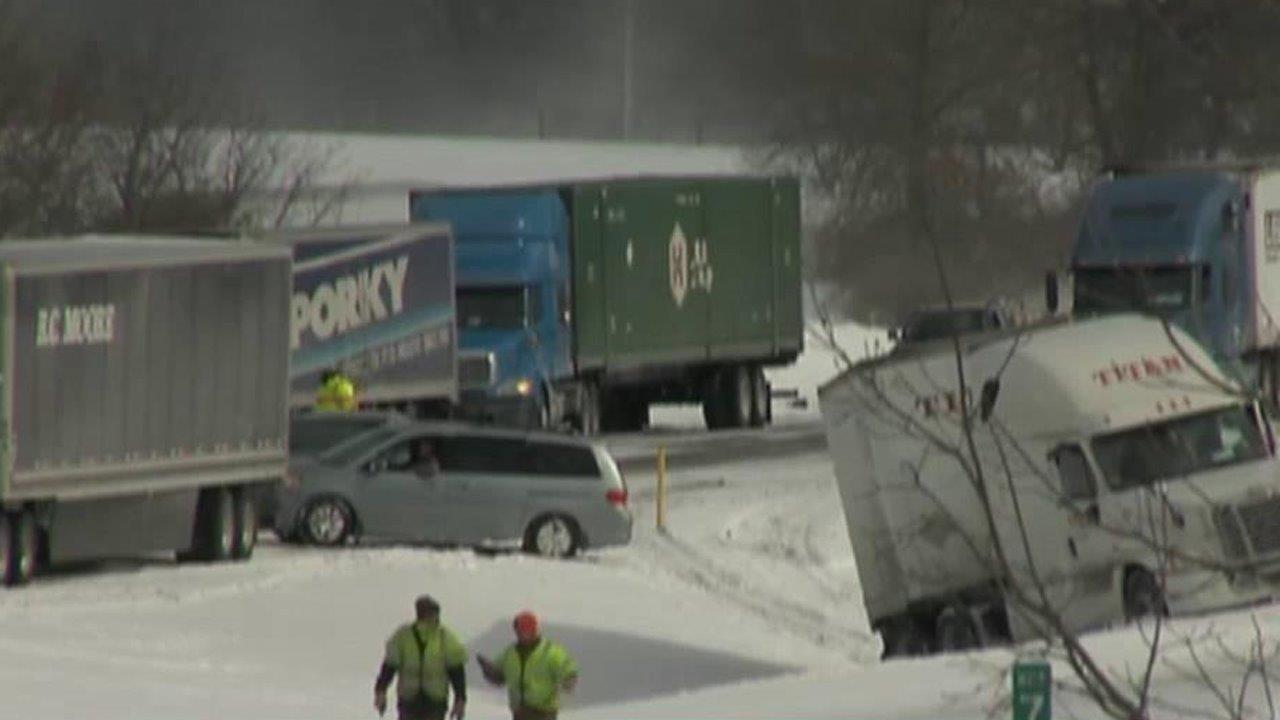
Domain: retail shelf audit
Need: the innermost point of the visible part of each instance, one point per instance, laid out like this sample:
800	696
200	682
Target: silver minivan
455	484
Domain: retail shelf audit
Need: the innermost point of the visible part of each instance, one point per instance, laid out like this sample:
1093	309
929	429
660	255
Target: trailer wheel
760	402
26	547
7	561
588	422
215	530
246	524
739	391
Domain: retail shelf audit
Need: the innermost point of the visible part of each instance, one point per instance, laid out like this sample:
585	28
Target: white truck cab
1125	475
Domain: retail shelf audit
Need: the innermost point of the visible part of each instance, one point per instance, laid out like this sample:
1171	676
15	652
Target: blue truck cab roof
1169	218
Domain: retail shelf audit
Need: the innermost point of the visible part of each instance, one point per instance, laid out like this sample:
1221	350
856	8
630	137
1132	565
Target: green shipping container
676	271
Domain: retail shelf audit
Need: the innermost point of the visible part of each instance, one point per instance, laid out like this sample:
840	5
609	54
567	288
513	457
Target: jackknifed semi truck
143	397
580	303
1116	471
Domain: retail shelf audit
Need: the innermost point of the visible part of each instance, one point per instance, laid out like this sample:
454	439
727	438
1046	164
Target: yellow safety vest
338	394
534	682
421	655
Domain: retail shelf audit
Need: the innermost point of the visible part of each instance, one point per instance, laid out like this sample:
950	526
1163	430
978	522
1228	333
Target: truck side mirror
1051	292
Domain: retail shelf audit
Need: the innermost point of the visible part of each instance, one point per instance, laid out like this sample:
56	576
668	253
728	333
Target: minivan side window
1074	473
563	460
479	454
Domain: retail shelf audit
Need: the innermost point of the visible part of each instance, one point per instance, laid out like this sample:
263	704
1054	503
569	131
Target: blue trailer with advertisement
376	302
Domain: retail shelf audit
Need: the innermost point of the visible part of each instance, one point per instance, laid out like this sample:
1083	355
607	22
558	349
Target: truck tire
214	537
588	421
26	547
727	401
761	410
246	524
7	561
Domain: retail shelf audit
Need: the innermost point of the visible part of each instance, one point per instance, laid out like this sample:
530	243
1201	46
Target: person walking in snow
427	658
534	669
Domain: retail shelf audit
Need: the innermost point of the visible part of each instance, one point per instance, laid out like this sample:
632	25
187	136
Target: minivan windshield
1177	448
316	434
357	447
497	308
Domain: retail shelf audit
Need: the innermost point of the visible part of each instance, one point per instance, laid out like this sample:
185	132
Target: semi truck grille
475	370
1230	533
1262	525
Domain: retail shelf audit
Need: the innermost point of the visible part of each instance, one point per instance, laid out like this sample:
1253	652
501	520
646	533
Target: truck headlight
524	386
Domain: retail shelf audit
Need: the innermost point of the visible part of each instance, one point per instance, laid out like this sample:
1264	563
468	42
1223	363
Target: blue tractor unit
512	275
1198	247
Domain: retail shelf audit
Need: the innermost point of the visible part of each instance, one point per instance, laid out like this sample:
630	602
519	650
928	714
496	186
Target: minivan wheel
553	536
327	521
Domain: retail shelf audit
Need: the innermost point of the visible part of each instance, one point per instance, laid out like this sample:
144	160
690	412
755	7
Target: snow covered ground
748	607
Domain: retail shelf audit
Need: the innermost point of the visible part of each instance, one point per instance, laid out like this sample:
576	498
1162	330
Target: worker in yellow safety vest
428	660
534	669
336	393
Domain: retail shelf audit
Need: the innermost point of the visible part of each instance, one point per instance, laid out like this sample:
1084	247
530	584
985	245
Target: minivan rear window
514	456
564	460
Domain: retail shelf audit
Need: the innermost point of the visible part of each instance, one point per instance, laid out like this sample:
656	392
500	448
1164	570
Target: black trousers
421	707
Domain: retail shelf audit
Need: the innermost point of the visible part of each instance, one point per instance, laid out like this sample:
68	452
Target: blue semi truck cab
512	276
1199	247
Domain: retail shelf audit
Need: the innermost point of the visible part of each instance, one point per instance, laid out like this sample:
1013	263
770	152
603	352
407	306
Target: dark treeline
978	122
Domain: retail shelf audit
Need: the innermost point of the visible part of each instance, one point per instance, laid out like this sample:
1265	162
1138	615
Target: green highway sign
1032	680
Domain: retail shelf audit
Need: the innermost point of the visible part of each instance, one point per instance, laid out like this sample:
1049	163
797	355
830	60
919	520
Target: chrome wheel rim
326	523
554	538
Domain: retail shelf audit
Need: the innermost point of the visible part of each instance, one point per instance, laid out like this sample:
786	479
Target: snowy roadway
748	608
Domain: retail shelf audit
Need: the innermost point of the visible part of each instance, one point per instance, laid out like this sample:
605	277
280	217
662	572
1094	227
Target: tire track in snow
691	565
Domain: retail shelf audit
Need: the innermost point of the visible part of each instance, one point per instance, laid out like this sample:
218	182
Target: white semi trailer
1125	475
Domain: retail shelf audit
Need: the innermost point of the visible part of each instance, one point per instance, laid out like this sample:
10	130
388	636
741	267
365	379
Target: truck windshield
934	324
1177	448
1131	288
500	308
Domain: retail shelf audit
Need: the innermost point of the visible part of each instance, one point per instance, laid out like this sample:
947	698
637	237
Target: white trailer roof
93	252
1089	376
